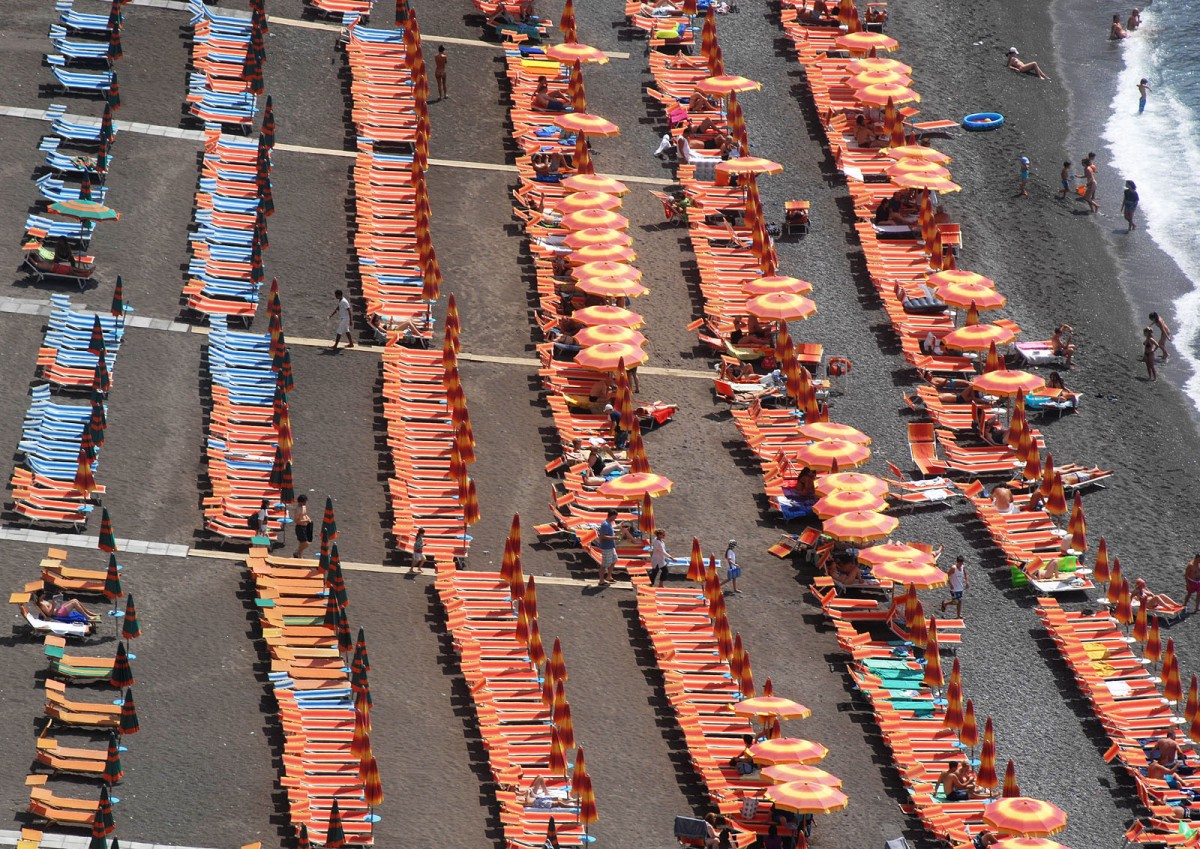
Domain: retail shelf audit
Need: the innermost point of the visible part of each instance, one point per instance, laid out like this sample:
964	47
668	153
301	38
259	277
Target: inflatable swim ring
983	121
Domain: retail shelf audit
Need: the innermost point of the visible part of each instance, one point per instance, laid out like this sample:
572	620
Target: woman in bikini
1149	346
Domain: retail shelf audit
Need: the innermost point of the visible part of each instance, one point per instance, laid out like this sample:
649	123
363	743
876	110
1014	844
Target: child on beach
1129	204
1164	334
1066	177
1143	88
1023	176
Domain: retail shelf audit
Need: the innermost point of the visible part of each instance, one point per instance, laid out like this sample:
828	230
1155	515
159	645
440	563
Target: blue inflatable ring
983	121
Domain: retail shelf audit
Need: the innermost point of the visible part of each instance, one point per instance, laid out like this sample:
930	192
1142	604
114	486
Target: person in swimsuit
1144	89
1191	578
1061	343
1023	176
1090	184
538	796
1065	177
303	525
69	610
1024	67
1129	204
1164	334
439	73
1116	32
957	782
1149	346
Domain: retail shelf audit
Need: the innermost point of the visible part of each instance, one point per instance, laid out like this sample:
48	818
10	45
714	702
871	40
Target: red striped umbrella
860	526
968	735
695	570
1153	649
933	678
986	776
953	718
1010	788
1100	567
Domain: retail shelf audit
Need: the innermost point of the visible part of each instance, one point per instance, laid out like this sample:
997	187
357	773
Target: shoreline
1091	67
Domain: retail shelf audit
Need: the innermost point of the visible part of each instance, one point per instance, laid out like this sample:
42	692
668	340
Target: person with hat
732	570
1015	64
1023	176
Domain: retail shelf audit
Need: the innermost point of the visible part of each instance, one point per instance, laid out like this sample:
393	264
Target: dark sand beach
202	772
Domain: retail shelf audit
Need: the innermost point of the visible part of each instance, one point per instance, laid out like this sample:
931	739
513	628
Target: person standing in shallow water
1129	204
1164	333
1144	89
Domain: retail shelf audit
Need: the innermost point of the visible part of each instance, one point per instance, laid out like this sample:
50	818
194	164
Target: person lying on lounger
660	9
1142	595
539	796
65	610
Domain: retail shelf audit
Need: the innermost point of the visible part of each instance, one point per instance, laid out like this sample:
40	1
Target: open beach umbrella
925	182
605	269
784	750
773	705
783	773
952	720
978	337
915	151
860	526
921	167
818	431
986	776
885	552
966	294
594	183
866	78
1007	382
586	124
85	210
609	334
877	63
777	284
597	236
608	356
577	202
824	454
609	253
593	217
806	798
837	503
632	486
968	734
749	165
879	94
960	277
1024	816
130	628
864	42
122	674
781	306
922	574
573	52
1172	686
851	482
727	84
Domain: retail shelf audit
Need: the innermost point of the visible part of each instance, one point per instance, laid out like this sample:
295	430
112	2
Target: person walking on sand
342	311
1191	580
660	558
956	579
1164	334
608	548
1129	203
439	72
417	559
1144	89
303	524
1149	346
1065	176
733	570
1023	176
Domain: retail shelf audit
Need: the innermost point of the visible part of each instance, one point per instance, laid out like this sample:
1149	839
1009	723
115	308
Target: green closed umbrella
97	841
302	837
97	424
129	717
96	345
130	627
112	580
331	608
107	541
268	124
335	838
113	97
329	520
112	761
118	300
336	582
104	812
122	674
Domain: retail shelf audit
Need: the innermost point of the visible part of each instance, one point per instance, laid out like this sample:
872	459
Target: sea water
1160	150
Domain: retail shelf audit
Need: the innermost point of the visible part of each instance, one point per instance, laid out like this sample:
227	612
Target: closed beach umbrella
107	542
1100	566
1056	501
934	678
1010	788
1192	703
537	652
335	836
104	812
968	735
1153	650
112	580
918	624
1123	612
1172	686
953	718
1115	579
558	758
1024	816
557	663
986	776
695	570
112	760
566	24
1077	525
129	719
85	482
783	750
372	786
122	674
746	677
130	628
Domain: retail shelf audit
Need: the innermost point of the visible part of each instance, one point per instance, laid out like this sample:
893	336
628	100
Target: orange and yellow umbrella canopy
595	183
588	201
783	773
860	526
572	52
824	454
1007	382
609	356
602	314
587	218
749	165
817	431
609	333
636	485
777	283
864	42
587	124
837	503
977	337
919	573
1024	816
784	750
880	93
781	306
806	798
726	84
774	705
851	482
